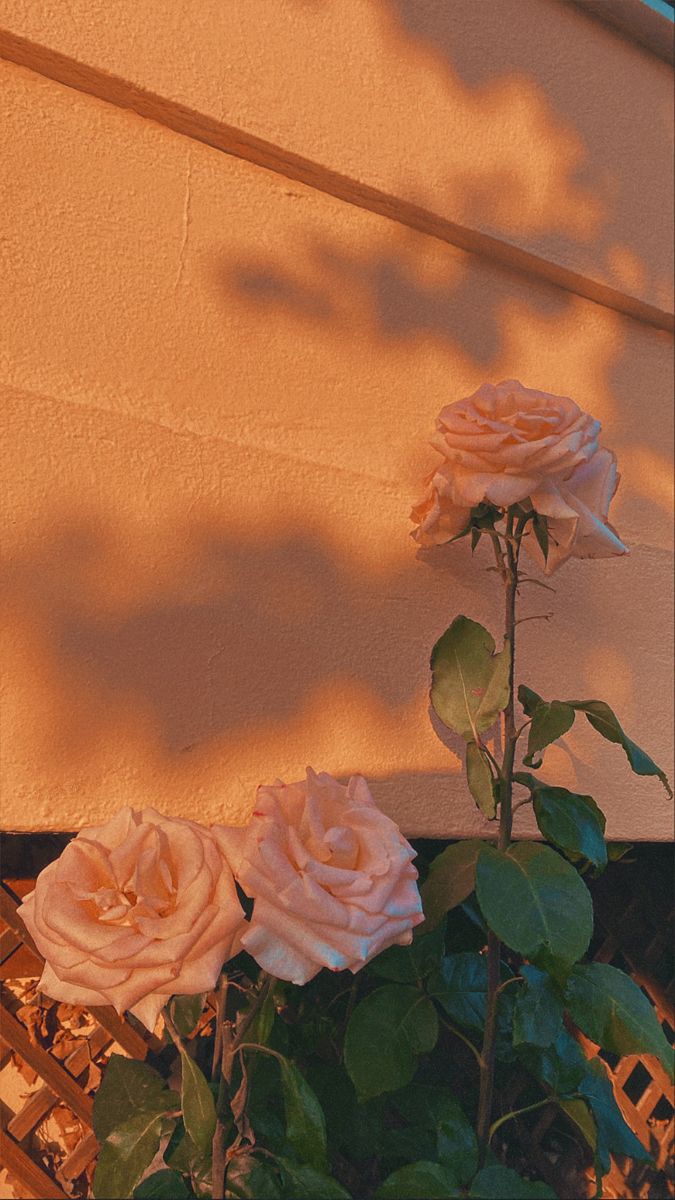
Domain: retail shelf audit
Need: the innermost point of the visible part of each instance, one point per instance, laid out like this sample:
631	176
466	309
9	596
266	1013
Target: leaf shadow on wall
553	80
282	627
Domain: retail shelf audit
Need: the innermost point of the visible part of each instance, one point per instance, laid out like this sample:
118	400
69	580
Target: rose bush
134	911
330	876
506	444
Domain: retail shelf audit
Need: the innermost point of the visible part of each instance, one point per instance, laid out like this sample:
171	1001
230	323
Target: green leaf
129	1087
602	718
199	1110
612	1133
529	700
261	1026
538	1009
540	527
579	1112
535	902
305	1122
419	1181
501	1183
252	1179
470	683
128	1150
549	722
461	988
433	1108
309	1184
573	823
451	878
186	1011
479	779
613	1012
413	963
618	850
182	1155
386	1032
457	1145
162	1185
560	1066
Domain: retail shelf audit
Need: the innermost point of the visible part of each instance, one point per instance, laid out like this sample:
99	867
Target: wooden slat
123	1033
9	915
48	1068
79	1158
41	1102
37	1183
116	1026
8	942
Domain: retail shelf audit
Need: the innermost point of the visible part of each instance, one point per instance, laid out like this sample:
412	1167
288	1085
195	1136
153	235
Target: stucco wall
218	383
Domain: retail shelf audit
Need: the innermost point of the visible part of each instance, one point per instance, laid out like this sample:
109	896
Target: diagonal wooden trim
79	1158
122	1032
227	138
33	1178
48	1068
8	914
42	1101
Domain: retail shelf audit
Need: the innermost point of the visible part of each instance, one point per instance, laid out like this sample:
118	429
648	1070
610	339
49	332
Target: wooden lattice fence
632	932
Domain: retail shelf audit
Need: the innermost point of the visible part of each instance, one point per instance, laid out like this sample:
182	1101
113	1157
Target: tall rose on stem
525	469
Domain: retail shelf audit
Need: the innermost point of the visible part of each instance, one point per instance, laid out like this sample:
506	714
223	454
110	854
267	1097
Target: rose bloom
330	875
507	443
133	912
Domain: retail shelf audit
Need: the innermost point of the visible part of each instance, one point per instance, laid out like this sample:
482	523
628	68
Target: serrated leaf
413	963
479	779
125	1154
199	1110
451	878
470	683
535	902
605	721
162	1185
129	1087
549	722
309	1184
573	823
386	1032
538	1009
186	1011
501	1183
419	1181
613	1012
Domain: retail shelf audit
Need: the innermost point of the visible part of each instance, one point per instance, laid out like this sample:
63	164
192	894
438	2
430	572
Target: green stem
458	1034
516	1112
173	1032
231	1044
510	556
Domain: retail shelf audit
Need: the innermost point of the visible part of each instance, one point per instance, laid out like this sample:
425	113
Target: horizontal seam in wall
230	140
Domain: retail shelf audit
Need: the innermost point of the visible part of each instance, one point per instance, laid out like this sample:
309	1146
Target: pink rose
330	875
134	911
507	443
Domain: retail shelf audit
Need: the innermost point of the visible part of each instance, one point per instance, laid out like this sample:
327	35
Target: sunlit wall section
218	384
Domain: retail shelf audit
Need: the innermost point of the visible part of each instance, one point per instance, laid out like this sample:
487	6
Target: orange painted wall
217	384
